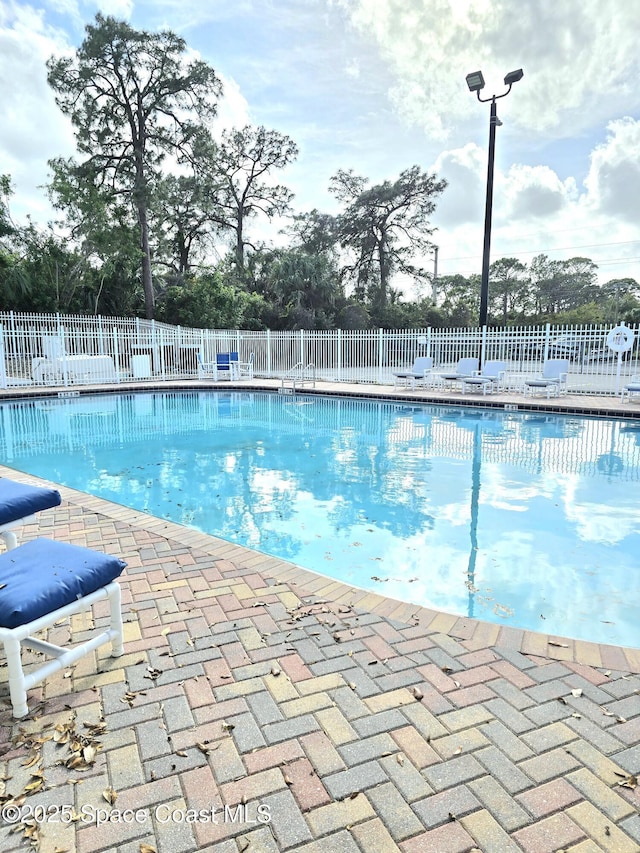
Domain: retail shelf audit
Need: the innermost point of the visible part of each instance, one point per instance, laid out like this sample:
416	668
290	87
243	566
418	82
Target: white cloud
33	129
579	59
613	182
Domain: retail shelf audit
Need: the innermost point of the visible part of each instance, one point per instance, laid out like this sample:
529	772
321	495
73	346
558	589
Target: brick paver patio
262	708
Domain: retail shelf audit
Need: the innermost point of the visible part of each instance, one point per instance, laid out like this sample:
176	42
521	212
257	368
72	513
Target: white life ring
620	339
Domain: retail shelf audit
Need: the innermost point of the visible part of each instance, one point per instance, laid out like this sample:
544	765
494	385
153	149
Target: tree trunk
147	278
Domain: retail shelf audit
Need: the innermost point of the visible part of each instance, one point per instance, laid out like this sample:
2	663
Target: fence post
269	352
380	356
339	343
3	366
116	354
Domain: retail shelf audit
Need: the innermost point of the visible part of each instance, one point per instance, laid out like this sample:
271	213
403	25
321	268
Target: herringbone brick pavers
261	708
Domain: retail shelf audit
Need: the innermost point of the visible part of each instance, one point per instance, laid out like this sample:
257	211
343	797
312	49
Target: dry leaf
400	760
147	848
418	694
181	753
110	795
577	692
275	670
559	645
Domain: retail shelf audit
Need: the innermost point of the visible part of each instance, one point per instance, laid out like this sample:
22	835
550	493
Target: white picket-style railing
67	350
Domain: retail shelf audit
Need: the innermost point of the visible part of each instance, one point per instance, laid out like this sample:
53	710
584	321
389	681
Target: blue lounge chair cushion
18	500
42	575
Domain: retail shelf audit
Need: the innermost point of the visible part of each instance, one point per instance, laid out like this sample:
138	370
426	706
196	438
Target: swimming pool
523	519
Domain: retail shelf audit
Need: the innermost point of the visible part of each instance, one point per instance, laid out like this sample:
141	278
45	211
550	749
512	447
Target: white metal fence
57	350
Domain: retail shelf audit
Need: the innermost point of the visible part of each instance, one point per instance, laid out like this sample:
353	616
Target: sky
378	86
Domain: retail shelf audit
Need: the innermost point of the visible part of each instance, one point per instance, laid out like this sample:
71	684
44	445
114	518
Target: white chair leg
117	630
17	689
10	539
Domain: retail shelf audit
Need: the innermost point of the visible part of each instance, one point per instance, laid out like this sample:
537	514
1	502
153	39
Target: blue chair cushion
42	575
18	500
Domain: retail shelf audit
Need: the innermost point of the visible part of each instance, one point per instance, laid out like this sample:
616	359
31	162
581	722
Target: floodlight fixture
513	77
475	81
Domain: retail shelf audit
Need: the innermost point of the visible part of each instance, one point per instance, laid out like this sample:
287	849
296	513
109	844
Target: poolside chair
18	504
632	387
245	368
227	365
465	367
420	372
553	380
489	379
42	582
205	368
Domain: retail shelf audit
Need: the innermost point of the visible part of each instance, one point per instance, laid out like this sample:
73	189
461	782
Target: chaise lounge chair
42	582
420	372
18	503
489	379
632	387
465	367
553	380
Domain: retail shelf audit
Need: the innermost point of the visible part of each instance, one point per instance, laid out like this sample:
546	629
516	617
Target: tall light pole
475	82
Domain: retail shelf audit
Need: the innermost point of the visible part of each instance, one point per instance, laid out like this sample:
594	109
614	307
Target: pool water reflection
521	519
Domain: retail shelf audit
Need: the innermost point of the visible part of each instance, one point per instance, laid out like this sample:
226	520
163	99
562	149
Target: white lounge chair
465	367
553	380
18	504
632	387
420	372
489	379
245	368
44	581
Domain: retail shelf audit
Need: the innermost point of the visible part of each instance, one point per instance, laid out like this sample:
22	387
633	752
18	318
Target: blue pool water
522	519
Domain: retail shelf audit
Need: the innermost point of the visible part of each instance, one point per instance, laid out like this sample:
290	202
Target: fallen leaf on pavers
153	673
181	753
577	692
35	757
287	781
275	670
607	712
417	693
400	760
627	781
63	732
243	844
96	728
110	795
457	751
128	698
165	631
204	749
353	795
559	645
147	848
352	685
228	727
259	604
